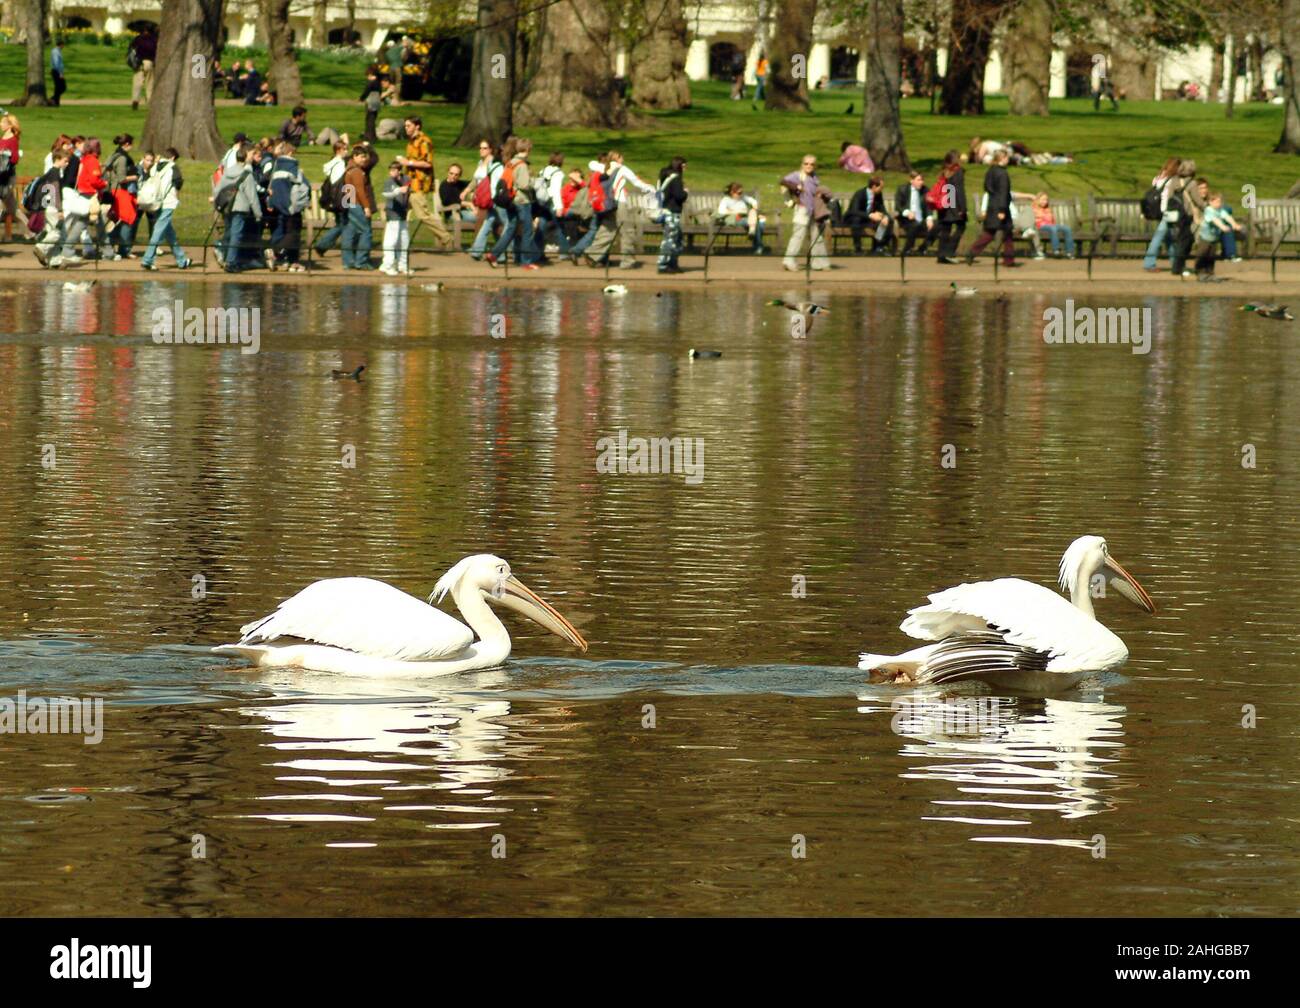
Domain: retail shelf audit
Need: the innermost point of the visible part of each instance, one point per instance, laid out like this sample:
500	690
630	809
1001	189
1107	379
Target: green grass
722	140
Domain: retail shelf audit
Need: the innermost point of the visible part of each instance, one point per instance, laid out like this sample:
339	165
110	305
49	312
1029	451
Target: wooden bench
1120	220
1271	223
1071	212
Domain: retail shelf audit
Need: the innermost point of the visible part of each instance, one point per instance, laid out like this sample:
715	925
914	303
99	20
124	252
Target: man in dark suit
915	217
868	211
252	84
997	212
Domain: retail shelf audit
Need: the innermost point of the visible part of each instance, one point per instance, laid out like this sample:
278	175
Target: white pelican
358	626
1014	633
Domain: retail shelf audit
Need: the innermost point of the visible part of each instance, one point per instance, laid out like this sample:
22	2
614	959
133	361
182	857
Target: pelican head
1089	555
490	576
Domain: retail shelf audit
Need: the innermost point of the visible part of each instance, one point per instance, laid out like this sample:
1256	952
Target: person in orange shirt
760	75
418	163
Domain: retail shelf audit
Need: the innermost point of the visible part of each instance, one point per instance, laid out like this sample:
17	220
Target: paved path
1063	278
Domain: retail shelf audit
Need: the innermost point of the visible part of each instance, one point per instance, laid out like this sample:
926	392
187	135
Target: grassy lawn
722	140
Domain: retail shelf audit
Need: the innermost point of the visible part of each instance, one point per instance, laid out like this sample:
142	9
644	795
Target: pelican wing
365	616
1026	615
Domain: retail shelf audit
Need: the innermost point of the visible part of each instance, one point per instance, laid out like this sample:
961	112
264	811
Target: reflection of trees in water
1011	758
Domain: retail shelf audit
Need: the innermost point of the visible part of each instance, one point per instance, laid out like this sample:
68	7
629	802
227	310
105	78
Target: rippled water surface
155	498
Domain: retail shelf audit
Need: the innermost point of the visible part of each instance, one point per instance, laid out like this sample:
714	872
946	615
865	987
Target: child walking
396	237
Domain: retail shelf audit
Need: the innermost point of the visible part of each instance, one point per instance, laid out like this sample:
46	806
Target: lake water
155	498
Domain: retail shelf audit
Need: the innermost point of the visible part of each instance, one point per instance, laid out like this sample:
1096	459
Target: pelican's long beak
515	595
1124	583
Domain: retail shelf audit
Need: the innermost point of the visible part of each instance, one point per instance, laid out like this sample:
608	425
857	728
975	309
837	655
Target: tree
1289	142
1027	57
657	56
792	36
882	128
182	113
319	34
970	35
35	14
490	104
283	68
572	82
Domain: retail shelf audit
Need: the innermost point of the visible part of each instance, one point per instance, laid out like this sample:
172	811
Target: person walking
516	188
372	100
760	77
49	200
1186	207
167	193
331	199
396	239
489	170
245	213
290	195
1102	86
674	193
997	213
140	56
10	152
56	71
1162	238
804	187
360	202
123	177
949	197
627	216
419	167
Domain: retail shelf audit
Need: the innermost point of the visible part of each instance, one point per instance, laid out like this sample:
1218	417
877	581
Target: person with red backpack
514	194
486	177
948	196
600	191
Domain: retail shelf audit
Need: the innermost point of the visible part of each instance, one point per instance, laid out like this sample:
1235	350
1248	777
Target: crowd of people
92	203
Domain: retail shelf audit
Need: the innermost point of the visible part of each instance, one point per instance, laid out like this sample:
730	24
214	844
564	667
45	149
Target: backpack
1151	201
33	195
934	197
133	59
542	192
328	196
155	189
299	195
581	205
6	167
595	190
658	215
505	194
224	201
374	101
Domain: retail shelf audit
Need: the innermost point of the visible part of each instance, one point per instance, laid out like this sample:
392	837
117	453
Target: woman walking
123	178
1162	239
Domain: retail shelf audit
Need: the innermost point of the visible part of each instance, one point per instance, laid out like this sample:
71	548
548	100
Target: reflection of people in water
1011	758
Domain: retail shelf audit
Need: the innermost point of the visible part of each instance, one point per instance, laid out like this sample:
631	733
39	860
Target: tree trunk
283	69
490	103
882	128
658	61
573	83
1027	62
1257	68
1289	143
182	113
319	31
1229	76
1217	67
35	14
969	37
791	43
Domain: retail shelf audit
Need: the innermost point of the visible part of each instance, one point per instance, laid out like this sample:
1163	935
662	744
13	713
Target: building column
1057	75
819	63
697	60
993	73
114	25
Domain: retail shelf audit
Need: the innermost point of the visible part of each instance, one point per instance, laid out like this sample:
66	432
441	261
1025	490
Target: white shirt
623	176
335	168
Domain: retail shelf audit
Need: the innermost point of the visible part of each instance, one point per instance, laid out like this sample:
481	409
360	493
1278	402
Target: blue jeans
605	220
356	239
1159	240
1059	233
241	240
479	245
1229	239
326	240
164	232
671	245
125	237
519	226
548	226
